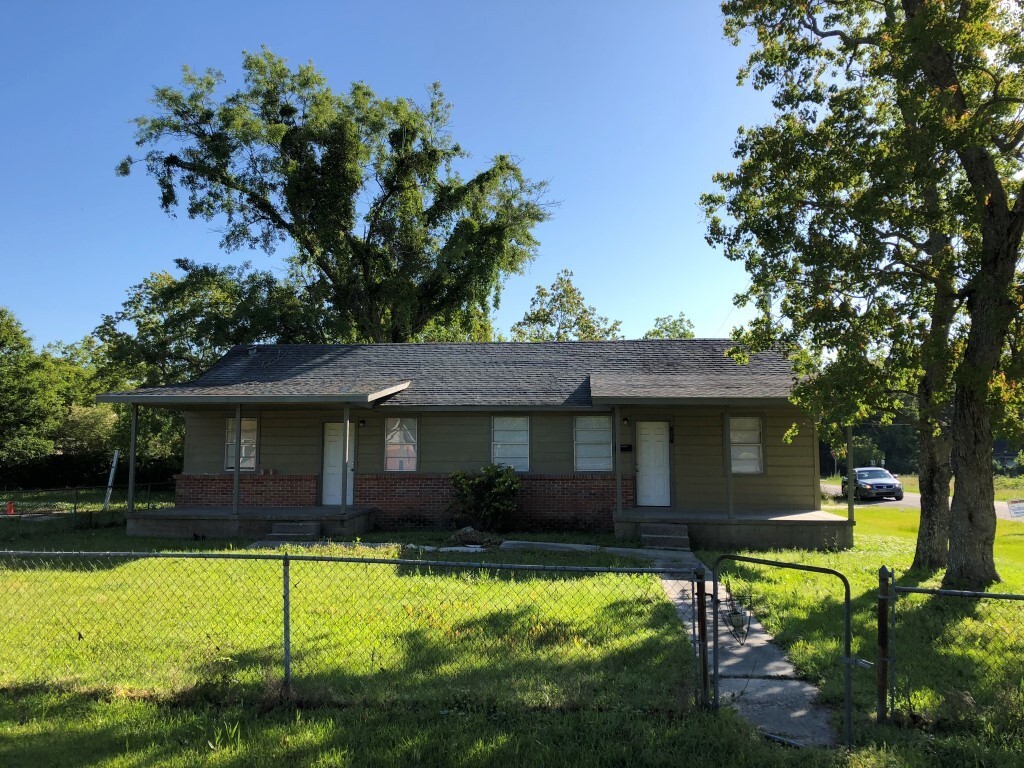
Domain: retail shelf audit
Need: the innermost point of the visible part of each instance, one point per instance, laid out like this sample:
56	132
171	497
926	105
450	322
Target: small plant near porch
487	499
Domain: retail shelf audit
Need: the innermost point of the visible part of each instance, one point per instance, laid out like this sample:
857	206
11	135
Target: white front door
333	457
652	464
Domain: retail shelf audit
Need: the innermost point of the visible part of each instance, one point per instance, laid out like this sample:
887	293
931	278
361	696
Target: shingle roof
554	374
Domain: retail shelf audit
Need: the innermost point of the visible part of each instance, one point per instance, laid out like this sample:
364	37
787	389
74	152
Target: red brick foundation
253	490
570	502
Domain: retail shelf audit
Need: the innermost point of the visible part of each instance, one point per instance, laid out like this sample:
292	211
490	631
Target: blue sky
627	109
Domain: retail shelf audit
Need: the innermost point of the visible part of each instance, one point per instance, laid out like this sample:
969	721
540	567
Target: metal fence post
882	666
287	626
74	512
702	635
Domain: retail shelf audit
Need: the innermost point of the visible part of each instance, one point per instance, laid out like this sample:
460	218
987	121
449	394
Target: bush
488	497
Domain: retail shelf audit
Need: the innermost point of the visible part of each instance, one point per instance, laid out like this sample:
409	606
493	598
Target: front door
333	457
652	464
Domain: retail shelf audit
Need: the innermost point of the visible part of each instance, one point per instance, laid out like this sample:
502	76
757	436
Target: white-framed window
745	445
510	442
592	440
248	445
400	438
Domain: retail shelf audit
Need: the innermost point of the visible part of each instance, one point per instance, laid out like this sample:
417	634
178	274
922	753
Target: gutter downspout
617	458
238	458
344	463
730	506
131	458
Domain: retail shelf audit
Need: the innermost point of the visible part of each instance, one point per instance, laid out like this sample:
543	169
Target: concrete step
298	528
663	529
657	541
292	536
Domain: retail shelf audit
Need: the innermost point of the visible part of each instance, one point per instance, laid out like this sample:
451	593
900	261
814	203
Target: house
613	435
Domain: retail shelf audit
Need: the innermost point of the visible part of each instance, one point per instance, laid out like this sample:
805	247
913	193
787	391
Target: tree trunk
934	473
972	527
934	469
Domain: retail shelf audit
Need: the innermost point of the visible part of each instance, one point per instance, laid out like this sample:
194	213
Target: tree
668	327
363	188
560	313
171	329
895	205
28	397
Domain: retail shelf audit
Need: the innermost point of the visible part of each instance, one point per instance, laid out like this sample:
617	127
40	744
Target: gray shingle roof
555	374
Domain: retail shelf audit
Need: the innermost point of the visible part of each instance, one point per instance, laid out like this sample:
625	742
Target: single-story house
613	435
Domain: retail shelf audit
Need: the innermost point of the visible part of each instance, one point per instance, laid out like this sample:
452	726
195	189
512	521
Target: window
510	442
400	445
248	445
593	443
745	444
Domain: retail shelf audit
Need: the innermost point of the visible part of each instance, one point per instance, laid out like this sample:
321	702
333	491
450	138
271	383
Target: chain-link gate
847	659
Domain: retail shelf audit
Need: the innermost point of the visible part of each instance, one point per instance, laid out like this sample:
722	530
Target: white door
332	464
652	464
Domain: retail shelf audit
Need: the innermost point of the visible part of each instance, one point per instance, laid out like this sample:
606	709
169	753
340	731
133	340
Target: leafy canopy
560	313
366	190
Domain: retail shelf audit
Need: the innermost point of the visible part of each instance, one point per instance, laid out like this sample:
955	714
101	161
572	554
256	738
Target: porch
799	529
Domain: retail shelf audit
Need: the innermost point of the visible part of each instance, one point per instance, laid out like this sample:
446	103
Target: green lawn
963	661
395	670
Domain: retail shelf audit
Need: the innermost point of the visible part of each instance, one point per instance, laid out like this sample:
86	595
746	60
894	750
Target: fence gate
726	614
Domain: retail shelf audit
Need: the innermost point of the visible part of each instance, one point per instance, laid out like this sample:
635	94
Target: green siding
291	442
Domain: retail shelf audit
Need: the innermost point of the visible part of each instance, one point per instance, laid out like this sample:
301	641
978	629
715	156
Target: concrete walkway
756	678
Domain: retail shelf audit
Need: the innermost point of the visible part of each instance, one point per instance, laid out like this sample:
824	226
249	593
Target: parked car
875	483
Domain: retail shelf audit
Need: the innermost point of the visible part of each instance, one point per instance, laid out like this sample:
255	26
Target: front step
662	535
291	537
304	530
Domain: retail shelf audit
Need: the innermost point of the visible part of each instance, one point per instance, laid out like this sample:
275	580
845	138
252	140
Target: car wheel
899	498
857	495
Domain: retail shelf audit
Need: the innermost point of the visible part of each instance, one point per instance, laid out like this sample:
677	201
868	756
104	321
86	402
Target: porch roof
473	376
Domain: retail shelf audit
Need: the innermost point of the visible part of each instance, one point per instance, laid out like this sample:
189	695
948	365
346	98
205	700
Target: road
910	501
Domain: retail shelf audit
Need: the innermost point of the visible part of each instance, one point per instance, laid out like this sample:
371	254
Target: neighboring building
607	435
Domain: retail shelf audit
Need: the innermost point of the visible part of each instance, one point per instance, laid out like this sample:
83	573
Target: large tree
29	401
560	313
671	327
895	200
366	190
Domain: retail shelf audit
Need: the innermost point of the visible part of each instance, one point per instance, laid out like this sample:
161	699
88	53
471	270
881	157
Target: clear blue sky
627	109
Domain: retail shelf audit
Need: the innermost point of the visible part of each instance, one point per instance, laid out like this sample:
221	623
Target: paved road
910	501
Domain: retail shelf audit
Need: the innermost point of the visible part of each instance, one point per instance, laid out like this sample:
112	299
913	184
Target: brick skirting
569	502
253	490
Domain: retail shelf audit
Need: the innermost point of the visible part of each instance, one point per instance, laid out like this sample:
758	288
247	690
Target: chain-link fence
28	511
336	629
955	659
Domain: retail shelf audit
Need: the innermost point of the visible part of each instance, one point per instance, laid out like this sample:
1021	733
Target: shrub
488	497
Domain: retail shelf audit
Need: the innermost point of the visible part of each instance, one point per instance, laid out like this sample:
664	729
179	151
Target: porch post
131	457
344	463
238	457
730	507
851	476
616	460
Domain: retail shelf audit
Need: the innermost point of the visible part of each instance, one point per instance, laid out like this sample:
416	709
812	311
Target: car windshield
874	474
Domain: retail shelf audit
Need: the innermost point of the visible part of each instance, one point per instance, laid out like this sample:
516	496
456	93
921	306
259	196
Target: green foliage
880	218
560	313
363	188
29	400
488	497
669	327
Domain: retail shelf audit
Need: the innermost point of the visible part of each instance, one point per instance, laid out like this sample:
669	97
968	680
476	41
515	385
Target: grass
962	661
530	698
